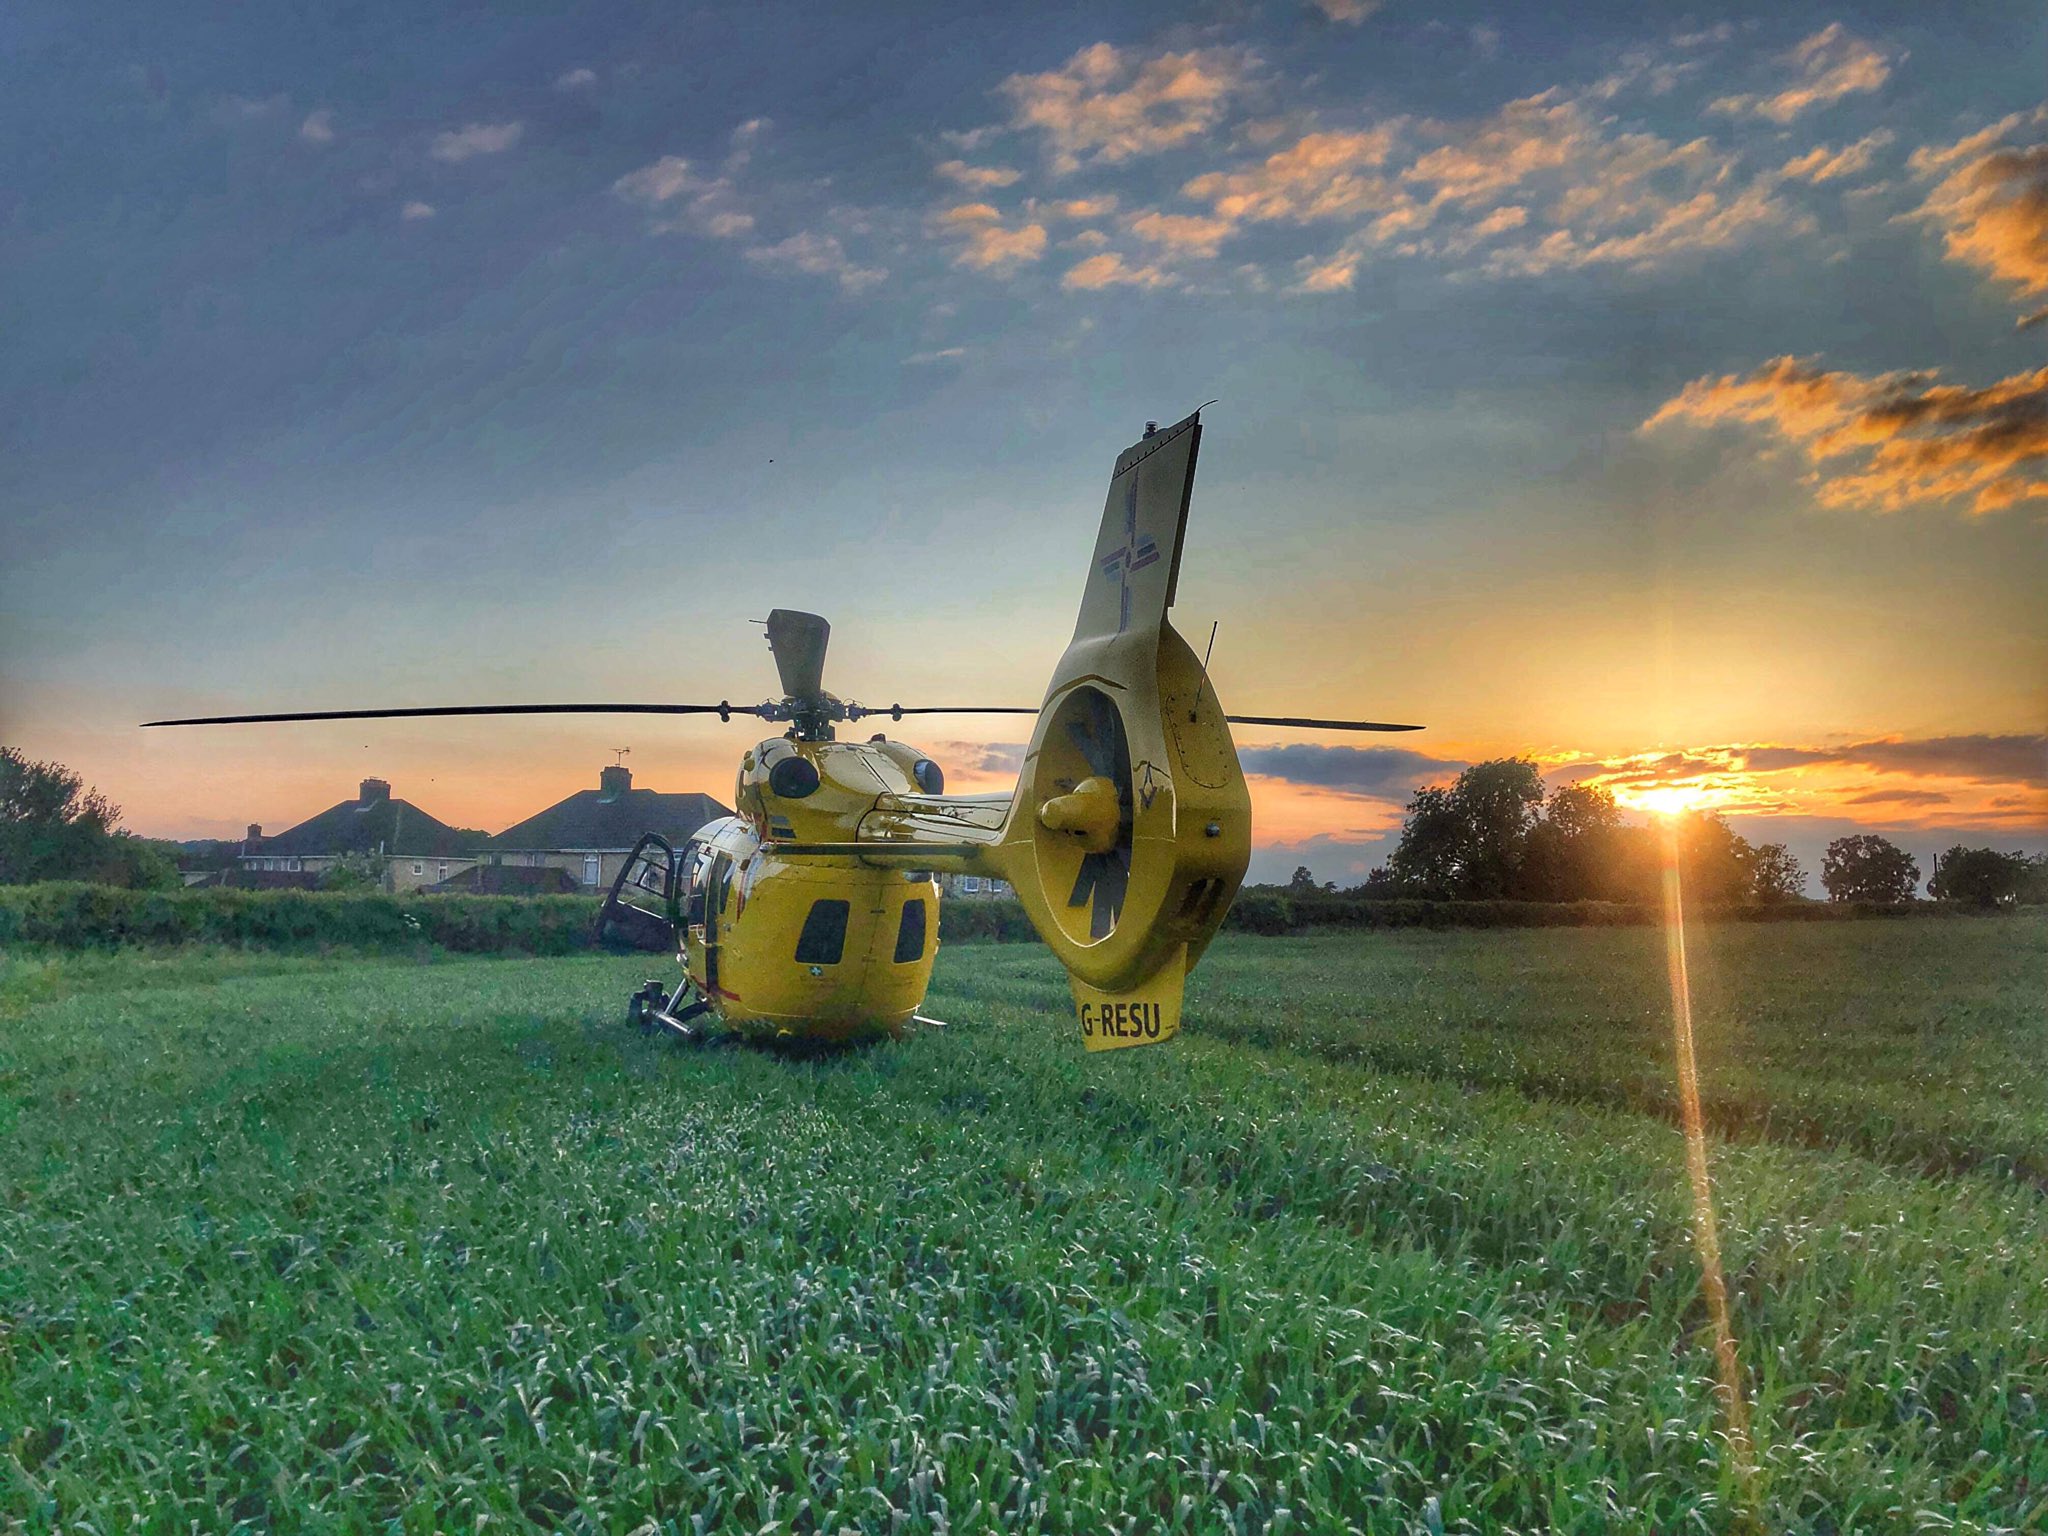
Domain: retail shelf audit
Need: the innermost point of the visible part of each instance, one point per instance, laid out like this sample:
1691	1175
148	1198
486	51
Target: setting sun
1667	799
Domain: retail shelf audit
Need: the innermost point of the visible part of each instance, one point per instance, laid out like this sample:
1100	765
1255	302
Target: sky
1659	394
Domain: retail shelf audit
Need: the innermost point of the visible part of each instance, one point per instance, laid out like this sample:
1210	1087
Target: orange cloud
991	246
1831	64
1106	104
1319	176
1184	234
1109	270
1992	204
1821	164
1884	443
1949	780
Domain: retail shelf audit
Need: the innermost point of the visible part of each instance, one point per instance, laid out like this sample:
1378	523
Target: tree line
1496	834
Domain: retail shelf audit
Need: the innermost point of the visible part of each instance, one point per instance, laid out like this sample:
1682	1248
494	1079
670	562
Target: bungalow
591	833
418	850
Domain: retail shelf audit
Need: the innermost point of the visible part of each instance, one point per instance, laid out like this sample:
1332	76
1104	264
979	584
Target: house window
419	869
971	884
443	868
590	869
294	864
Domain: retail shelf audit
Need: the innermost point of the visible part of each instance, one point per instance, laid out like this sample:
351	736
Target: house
418	849
983	887
591	833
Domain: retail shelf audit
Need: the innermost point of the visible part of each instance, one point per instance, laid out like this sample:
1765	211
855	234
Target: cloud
977	178
1888	442
249	109
1545	182
1319	176
819	256
1821	163
1900	797
943	355
1592	192
459	144
998	757
1182	234
576	80
1109	270
1077	207
1350	12
1829	65
416	210
318	128
1980	759
1332	276
1107	104
1991	203
1379	773
712	202
986	243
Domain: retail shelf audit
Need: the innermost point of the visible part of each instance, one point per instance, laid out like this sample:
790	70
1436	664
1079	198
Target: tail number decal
1122	1021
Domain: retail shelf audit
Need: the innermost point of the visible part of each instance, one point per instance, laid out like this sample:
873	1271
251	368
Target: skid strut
654	1007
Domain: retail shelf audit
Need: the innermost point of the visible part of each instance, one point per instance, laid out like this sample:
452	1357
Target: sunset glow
578	379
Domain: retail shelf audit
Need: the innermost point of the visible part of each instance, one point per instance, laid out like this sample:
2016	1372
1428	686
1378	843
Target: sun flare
1666	799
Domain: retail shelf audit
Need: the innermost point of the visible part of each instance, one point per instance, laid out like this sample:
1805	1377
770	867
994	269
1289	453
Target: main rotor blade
1318	725
1300	722
892	710
469	709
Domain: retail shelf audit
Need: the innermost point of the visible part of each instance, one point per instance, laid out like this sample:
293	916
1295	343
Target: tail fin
1131	828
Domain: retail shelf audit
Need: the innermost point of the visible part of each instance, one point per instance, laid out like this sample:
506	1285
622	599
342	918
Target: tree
1775	875
1468	841
355	872
1573	851
1979	877
1868	868
2034	882
53	828
1714	862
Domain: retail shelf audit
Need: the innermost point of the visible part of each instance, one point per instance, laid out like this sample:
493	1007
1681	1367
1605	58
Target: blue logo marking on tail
1136	554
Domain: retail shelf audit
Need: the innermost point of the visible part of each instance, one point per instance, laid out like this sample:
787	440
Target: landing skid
654	1008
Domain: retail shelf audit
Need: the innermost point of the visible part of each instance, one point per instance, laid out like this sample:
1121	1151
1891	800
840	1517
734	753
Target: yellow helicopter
812	913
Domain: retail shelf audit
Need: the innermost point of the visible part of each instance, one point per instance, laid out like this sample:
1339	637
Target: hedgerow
73	916
77	916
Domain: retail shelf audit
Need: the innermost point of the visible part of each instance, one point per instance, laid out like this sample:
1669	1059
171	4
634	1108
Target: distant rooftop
610	817
373	822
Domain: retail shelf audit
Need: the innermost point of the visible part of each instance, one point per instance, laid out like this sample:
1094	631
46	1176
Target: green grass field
1396	1237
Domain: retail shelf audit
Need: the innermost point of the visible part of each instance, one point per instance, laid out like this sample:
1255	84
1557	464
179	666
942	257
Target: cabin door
716	888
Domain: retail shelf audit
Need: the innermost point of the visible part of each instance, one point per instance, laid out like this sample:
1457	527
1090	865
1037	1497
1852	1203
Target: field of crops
1396	1237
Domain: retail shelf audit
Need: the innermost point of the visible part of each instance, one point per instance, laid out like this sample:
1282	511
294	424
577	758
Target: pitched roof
597	818
396	827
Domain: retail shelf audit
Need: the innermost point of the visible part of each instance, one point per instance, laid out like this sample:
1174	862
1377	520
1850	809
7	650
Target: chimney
255	832
613	782
371	791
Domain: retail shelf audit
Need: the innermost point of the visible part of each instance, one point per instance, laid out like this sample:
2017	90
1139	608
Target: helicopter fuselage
829	945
